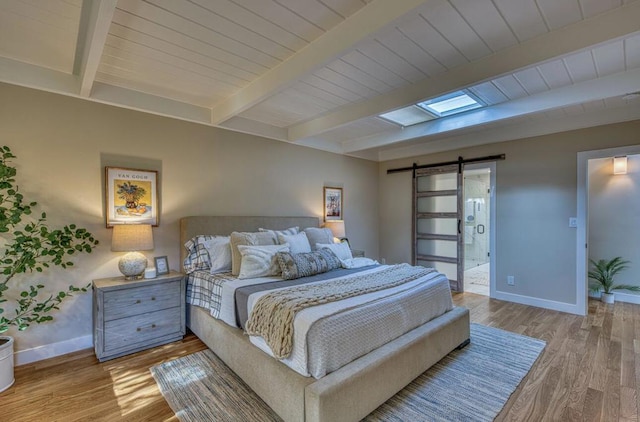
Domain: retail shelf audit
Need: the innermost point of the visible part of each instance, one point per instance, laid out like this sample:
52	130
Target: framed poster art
332	204
132	196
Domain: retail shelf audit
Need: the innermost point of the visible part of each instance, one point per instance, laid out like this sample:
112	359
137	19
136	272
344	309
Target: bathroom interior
476	231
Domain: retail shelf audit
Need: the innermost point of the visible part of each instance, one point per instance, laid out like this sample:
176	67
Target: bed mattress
326	337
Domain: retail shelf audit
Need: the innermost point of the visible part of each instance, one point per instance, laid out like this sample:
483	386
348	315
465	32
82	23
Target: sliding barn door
438	241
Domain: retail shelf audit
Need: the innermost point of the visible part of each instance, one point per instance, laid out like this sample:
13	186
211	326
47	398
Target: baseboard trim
621	297
570	308
47	351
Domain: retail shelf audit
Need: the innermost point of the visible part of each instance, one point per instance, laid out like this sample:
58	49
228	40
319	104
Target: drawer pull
153	325
138	301
138	329
153	298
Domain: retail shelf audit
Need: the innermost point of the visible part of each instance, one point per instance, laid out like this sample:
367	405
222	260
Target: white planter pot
6	362
607	297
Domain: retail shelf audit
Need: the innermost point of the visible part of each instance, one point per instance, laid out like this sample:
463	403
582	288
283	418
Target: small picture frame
162	265
332	204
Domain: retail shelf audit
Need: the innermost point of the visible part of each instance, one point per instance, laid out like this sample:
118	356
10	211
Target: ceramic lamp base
132	265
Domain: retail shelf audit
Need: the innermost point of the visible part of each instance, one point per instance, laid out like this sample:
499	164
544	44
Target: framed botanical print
332	204
131	196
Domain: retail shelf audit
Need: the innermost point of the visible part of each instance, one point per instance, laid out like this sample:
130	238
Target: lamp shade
132	237
337	228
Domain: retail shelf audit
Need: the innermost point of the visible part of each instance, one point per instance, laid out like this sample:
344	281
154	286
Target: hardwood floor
590	370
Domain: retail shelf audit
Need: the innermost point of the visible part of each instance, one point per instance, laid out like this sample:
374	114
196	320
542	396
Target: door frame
582	235
491	165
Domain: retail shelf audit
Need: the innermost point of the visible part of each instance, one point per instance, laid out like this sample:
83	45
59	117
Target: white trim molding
540	303
47	351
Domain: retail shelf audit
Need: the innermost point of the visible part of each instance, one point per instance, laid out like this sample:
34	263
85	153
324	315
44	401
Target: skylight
445	105
453	103
408	116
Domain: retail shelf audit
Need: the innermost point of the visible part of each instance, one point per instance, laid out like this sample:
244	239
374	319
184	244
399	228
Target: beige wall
64	143
536	195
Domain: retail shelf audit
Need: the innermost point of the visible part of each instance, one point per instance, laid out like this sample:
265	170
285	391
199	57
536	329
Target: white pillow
358	262
219	250
341	250
298	243
260	261
316	235
251	239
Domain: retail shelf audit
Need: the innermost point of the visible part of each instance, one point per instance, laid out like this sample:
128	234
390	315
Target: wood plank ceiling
319	72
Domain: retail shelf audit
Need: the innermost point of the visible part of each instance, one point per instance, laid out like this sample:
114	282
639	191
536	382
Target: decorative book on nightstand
129	316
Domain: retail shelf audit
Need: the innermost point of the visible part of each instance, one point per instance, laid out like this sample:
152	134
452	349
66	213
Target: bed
345	394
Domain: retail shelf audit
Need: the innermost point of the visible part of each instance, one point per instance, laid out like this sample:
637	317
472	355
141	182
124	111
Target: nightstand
129	316
357	253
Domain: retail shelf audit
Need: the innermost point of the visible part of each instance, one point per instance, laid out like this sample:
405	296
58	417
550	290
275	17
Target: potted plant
603	272
29	245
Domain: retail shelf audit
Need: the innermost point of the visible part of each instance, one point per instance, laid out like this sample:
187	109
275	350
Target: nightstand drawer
139	300
126	332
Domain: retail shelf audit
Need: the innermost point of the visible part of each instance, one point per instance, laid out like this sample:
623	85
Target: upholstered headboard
193	226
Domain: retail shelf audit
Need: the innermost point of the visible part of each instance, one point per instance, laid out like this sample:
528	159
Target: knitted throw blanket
272	315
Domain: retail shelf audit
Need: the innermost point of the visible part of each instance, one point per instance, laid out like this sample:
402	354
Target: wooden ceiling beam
95	20
334	43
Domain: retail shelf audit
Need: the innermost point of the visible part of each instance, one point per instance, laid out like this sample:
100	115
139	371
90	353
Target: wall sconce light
620	165
132	238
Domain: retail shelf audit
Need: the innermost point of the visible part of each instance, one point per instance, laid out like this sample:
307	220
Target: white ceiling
318	72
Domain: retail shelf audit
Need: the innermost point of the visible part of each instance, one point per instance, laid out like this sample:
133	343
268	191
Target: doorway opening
477	226
605	217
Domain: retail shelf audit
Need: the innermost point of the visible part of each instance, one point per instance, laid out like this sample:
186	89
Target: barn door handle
459	221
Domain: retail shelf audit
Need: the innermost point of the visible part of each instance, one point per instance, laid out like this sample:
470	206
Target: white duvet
329	336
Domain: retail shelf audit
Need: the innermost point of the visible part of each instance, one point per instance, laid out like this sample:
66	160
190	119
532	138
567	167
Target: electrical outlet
573	222
511	281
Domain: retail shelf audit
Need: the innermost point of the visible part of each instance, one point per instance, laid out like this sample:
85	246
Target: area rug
472	384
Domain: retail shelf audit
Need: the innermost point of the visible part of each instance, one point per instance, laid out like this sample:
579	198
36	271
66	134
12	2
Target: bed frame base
348	394
351	392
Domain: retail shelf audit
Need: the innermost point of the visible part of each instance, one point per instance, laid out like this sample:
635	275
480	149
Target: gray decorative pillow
276	233
306	264
316	235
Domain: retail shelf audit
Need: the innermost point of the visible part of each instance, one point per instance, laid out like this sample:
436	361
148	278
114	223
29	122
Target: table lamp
337	228
132	238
